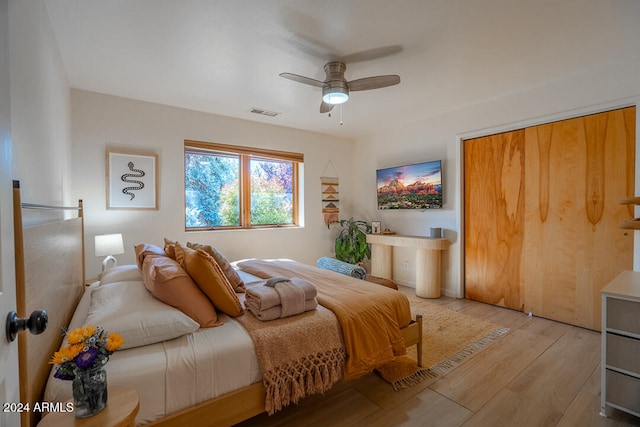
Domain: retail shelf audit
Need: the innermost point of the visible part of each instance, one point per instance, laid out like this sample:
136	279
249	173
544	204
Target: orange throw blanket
370	315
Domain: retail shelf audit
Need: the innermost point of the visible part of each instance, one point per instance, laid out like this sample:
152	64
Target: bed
178	381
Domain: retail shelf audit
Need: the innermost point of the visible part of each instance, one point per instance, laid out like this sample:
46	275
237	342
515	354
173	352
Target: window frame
246	154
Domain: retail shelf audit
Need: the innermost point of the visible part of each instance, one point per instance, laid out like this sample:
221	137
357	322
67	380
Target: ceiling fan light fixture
335	95
335	88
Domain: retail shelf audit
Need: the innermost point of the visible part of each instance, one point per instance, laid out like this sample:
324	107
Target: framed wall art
131	180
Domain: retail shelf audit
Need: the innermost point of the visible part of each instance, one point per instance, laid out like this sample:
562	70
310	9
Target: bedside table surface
121	410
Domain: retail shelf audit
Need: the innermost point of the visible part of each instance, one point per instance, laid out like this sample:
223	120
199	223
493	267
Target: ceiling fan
336	89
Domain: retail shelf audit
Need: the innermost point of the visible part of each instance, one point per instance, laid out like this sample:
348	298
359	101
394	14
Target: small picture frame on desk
376	227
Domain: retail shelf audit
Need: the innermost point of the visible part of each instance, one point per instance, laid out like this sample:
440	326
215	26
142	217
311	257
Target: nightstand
121	410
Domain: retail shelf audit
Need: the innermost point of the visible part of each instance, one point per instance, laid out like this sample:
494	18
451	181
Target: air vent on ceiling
263	112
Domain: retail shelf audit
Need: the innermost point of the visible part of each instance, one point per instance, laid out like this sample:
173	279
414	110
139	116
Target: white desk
428	259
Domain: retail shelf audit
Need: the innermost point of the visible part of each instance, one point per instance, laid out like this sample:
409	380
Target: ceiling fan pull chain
340	114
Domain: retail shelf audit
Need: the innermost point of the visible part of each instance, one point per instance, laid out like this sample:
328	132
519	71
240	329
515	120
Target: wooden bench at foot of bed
247	402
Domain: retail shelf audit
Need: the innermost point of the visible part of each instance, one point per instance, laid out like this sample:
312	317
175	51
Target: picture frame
132	180
376	227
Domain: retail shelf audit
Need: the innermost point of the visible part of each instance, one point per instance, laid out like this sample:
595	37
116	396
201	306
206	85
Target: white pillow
120	273
129	309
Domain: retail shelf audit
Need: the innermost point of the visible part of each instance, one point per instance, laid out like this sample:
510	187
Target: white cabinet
621	344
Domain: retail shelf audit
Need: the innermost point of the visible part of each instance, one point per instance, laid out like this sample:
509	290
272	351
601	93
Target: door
578	170
494	171
9	385
542	215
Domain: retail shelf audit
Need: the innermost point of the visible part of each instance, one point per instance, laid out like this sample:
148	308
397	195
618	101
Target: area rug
449	337
403	372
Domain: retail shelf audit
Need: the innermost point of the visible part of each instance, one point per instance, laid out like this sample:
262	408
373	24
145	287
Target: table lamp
108	245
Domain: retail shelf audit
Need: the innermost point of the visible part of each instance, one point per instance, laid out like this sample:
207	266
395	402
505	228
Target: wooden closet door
542	215
494	178
578	170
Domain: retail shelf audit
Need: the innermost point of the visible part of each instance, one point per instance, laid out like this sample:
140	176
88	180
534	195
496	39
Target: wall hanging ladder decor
330	195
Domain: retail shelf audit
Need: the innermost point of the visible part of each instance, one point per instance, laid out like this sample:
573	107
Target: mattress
174	374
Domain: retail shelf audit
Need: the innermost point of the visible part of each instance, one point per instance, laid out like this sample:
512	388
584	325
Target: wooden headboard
50	277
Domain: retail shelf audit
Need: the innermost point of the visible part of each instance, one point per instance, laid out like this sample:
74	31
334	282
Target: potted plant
351	244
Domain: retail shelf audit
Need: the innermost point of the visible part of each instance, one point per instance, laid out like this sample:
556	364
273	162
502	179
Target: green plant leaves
351	244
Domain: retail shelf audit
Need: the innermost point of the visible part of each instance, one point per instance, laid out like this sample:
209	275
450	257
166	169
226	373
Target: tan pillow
170	248
169	283
227	269
209	276
144	249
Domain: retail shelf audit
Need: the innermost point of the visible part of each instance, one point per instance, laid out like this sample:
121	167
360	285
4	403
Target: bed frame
247	402
49	260
50	276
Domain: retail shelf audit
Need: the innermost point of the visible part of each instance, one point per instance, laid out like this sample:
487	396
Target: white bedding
175	374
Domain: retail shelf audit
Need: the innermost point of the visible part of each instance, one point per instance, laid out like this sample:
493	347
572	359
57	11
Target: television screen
416	186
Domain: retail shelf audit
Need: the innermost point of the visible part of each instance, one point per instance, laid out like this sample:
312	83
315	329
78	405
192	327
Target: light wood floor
541	373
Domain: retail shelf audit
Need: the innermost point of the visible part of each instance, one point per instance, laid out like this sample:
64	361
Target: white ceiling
224	56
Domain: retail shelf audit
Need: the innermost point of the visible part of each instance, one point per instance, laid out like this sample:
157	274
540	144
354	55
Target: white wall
608	86
102	121
40	107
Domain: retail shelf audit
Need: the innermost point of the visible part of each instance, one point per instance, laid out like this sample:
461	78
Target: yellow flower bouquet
87	348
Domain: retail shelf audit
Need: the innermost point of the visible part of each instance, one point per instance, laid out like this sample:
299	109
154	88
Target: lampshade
335	94
109	244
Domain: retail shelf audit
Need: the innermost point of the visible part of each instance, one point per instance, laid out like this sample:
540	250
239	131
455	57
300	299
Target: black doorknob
36	323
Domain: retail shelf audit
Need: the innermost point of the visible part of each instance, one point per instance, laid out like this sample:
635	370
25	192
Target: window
230	187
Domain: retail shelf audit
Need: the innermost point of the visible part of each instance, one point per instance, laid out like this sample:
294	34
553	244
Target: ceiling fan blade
302	79
325	108
375	82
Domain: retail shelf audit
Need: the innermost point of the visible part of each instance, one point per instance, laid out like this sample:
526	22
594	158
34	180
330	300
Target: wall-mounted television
415	186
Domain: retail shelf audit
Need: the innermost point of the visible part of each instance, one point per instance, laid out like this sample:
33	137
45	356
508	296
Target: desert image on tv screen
417	186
